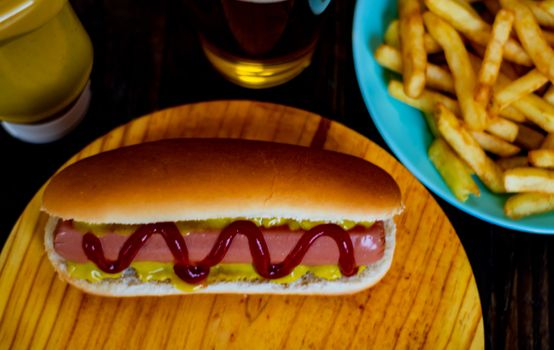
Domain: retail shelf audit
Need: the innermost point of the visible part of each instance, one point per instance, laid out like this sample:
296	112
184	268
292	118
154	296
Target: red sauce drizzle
196	273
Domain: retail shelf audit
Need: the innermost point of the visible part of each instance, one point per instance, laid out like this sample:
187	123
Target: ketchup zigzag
198	272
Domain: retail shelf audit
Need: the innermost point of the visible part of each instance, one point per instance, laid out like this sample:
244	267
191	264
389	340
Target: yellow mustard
148	271
185	227
88	271
45	59
102	229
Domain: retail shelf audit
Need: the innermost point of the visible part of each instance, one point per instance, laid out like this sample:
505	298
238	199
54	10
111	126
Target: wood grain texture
429	298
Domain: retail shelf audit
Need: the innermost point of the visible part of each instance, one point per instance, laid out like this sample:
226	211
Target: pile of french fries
482	72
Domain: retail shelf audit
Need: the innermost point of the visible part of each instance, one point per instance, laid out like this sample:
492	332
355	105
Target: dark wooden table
147	57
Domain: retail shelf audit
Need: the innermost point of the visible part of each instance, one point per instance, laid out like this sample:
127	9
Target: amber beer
259	43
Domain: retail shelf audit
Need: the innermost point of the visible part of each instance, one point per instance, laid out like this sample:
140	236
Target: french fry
531	37
414	56
493	56
508	69
529	180
432	80
389	57
533	107
459	138
431	123
436	77
426	102
542	158
508	112
453	170
529	138
503	128
544	18
392	38
392	34
518	89
431	45
549	95
548	142
525	204
500	127
548	36
495	144
536	110
466	20
458	61
439	78
548	6
513	114
530	107
512	162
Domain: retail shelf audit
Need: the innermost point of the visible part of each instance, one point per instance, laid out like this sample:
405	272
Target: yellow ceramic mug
45	59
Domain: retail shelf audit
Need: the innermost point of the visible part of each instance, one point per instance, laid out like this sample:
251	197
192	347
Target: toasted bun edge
153	182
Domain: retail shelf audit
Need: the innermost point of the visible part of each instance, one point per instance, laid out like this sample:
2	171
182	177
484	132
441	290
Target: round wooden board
428	299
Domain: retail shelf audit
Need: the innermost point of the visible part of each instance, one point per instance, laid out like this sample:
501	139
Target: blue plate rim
357	47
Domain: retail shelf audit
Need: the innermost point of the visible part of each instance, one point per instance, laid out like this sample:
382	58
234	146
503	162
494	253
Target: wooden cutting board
428	299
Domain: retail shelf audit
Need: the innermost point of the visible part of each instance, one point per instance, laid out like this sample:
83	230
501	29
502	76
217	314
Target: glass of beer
259	43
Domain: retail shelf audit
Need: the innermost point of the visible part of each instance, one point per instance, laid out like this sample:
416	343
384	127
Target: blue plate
404	128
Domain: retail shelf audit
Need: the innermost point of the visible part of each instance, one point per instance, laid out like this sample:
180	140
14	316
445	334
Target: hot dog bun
200	179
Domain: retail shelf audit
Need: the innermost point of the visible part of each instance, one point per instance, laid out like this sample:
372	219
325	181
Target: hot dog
221	216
